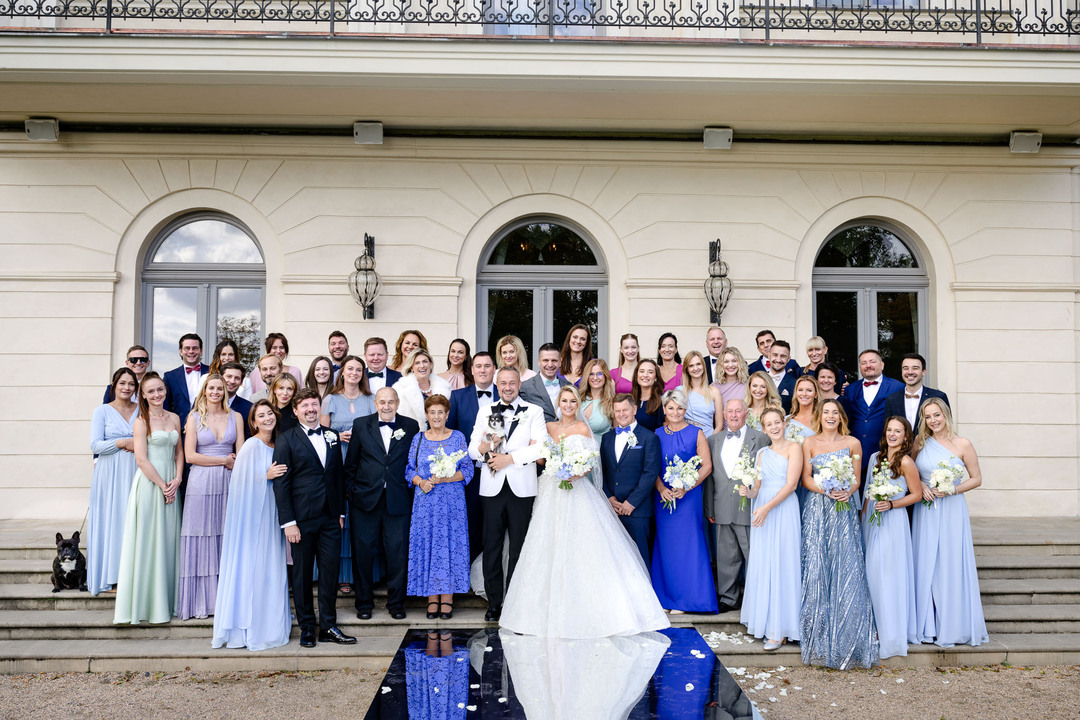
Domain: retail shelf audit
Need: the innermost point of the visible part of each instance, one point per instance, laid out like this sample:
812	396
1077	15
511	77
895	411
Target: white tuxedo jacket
525	445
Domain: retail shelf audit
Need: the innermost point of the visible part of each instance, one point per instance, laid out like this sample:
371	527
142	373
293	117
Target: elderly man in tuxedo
866	401
908	402
380	500
311	509
542	389
722	505
507	479
631	461
464	406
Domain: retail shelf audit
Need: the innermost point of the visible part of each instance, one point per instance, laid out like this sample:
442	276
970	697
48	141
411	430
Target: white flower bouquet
837	474
566	462
681	475
745	473
881	488
794	433
443	465
945	477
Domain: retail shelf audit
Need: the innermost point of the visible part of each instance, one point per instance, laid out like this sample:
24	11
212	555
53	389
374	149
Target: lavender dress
204	524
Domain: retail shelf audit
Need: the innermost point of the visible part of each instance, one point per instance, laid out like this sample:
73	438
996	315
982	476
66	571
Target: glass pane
897	327
510	312
573	307
542	244
837	322
175	313
865	246
239	318
208	241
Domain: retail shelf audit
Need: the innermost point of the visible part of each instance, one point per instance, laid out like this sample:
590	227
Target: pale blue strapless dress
800	492
771	603
700	412
890	573
837	615
948	606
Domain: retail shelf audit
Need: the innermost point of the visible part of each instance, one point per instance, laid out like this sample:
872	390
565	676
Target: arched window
203	273
538	278
870	291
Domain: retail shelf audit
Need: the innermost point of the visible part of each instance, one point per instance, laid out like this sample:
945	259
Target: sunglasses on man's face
138	360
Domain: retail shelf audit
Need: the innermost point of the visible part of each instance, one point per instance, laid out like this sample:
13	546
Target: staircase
1029	574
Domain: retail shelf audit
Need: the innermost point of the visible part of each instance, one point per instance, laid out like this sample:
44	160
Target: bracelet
890	505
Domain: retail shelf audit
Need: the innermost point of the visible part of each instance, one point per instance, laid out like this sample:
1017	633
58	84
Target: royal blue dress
436	688
252	607
890	573
948	606
342	412
681	573
110	487
439	532
837	614
771	602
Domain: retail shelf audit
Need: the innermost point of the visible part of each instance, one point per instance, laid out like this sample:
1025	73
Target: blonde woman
705	408
419	382
282	390
731	377
760	394
598	397
511	353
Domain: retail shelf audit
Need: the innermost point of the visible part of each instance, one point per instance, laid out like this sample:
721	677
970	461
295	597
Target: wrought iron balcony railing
971	22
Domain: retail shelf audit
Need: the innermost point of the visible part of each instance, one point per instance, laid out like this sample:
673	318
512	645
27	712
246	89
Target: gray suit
534	392
732	525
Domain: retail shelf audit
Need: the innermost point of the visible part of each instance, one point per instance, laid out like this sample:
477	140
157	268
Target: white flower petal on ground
772	699
884	692
488	649
689	687
470	708
461	705
385	689
899	680
502	700
474	687
783	693
799	688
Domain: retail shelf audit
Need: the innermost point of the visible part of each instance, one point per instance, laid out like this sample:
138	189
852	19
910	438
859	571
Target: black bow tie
482	393
316	431
503	407
378	374
390	424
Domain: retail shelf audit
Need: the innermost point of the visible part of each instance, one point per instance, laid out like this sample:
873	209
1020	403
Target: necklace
562	424
157	416
669	431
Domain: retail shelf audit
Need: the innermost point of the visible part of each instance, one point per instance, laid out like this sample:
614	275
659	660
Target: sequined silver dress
837	616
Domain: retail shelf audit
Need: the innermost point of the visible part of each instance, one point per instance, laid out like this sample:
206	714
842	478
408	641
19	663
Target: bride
579	575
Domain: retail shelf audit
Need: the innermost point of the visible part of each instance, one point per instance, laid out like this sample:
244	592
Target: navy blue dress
439	533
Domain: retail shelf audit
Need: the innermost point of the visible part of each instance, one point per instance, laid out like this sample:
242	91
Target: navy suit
786	388
464	405
243	407
380	503
392	376
176	397
868	422
894	403
632	478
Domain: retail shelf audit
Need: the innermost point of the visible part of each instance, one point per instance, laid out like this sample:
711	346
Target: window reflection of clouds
174	315
208	241
239	301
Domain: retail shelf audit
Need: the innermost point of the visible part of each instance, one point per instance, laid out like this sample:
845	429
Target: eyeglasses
138	360
596	374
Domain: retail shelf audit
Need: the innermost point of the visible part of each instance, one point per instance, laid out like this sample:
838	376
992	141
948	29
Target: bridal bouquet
565	462
944	479
681	475
794	433
745	473
443	465
880	489
837	474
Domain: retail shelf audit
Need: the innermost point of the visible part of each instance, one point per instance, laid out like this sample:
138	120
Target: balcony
970	23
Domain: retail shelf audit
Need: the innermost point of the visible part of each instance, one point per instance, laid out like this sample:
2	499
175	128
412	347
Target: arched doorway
870	291
203	273
538	277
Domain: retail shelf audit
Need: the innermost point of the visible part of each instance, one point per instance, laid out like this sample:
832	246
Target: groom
507	480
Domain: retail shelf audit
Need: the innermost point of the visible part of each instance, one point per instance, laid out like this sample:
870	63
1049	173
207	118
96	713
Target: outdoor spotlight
718	138
42	129
367	133
1021	141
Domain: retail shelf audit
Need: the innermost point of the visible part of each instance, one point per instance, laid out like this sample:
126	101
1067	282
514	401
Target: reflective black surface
459	674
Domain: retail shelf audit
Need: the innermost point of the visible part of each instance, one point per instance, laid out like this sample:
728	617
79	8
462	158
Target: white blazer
411	400
525	445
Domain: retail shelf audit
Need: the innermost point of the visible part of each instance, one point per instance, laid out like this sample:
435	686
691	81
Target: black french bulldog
69	565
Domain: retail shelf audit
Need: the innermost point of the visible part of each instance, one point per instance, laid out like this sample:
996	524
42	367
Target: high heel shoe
447	614
432	614
772	644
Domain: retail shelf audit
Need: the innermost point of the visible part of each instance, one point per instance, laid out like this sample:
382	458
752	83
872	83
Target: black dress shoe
447	614
724	607
307	638
493	613
432	615
334	635
363	614
396	613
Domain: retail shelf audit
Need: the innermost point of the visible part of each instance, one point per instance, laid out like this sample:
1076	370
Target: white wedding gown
579	575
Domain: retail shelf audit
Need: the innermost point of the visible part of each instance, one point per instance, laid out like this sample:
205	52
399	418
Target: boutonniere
330	436
519	417
631	440
398	434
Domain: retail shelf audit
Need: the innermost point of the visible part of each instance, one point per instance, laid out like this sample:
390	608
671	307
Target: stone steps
1030	591
1017	619
1005	567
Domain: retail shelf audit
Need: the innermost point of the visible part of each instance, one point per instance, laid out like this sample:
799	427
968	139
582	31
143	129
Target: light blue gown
837	615
771	602
700	412
252	608
890	573
599	423
948	606
109	490
800	492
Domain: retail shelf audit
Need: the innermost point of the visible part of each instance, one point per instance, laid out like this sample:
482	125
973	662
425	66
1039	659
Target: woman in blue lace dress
837	616
439	533
948	606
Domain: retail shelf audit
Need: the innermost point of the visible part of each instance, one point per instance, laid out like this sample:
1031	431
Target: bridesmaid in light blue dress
112	440
890	572
771	603
705	405
803	419
252	608
837	615
598	397
948	606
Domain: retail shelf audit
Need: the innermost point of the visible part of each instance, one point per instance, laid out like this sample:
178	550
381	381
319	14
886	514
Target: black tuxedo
380	504
464	406
312	496
632	478
894	404
708	366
